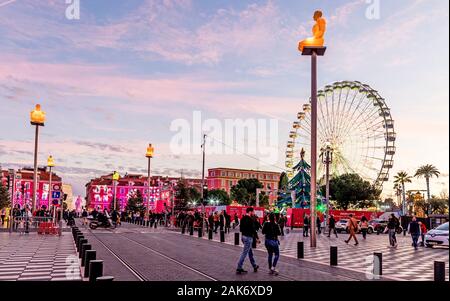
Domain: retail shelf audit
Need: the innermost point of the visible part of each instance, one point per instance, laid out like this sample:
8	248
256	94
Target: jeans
415	239
305	231
247	241
392	238
272	247
364	232
335	232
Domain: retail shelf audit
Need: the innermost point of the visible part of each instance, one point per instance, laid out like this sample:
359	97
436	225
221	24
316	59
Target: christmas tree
301	184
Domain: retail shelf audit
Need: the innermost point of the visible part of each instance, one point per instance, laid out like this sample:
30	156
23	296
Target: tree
136	203
284	181
439	206
351	190
219	195
4	196
401	178
421	205
245	191
185	194
427	171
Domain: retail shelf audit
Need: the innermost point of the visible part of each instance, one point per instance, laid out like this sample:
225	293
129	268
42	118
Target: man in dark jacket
248	231
305	226
332	226
414	230
392	226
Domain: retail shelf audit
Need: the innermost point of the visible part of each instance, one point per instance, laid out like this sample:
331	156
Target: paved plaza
402	262
35	257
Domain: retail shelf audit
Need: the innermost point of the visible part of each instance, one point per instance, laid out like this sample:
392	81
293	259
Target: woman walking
271	230
352	226
364	226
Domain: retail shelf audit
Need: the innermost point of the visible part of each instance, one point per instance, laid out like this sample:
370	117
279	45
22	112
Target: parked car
341	226
379	225
437	237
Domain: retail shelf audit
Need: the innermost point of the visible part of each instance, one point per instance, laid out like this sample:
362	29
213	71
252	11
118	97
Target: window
231	183
223	174
231	174
238	175
261	177
246	175
212	173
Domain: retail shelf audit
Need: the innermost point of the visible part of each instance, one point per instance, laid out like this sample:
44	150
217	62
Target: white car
437	237
341	225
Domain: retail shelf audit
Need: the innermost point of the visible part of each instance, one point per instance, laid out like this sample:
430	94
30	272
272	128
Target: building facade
225	178
24	184
160	194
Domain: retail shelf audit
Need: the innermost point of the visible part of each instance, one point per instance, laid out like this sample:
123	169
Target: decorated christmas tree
301	184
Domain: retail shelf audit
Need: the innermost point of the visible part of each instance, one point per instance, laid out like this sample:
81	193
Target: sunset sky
114	80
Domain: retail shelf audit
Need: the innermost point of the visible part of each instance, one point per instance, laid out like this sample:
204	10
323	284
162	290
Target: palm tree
427	171
398	191
401	178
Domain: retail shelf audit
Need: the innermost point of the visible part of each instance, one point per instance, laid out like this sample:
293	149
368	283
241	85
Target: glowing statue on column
318	30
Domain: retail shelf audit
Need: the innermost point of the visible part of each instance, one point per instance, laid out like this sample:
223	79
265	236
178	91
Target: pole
148	184
114	197
327	188
313	146
11	216
35	182
203	174
50	195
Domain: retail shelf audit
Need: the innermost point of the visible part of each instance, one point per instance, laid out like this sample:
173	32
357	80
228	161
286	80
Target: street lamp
50	165
149	155
327	159
115	178
37	118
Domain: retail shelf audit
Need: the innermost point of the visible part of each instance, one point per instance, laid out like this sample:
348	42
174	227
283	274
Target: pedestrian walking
352	226
3	214
236	221
305	226
247	228
271	230
227	222
364	227
222	220
414	230
281	223
84	215
423	231
391	228
332	226
216	221
319	226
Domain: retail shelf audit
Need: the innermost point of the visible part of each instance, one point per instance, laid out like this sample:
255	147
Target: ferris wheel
356	122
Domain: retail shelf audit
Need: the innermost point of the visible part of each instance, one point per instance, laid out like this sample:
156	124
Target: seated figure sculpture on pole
318	31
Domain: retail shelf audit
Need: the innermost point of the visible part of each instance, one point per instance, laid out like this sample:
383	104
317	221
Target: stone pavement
38	257
403	263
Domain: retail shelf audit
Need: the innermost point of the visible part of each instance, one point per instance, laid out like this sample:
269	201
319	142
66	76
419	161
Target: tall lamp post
149	155
314	47
37	118
115	178
50	165
327	159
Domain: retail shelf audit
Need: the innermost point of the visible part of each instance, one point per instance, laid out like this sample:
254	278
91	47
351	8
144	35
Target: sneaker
274	271
357	244
241	271
255	269
346	241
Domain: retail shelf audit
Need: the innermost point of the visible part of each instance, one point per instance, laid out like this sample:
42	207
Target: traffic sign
56	194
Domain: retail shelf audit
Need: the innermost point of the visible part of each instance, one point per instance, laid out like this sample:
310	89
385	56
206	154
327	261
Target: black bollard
236	239
77	244
300	250
84	248
80	244
183	230
222	236
191	231
439	271
333	256
377	264
210	234
88	256
95	269
200	232
105	278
